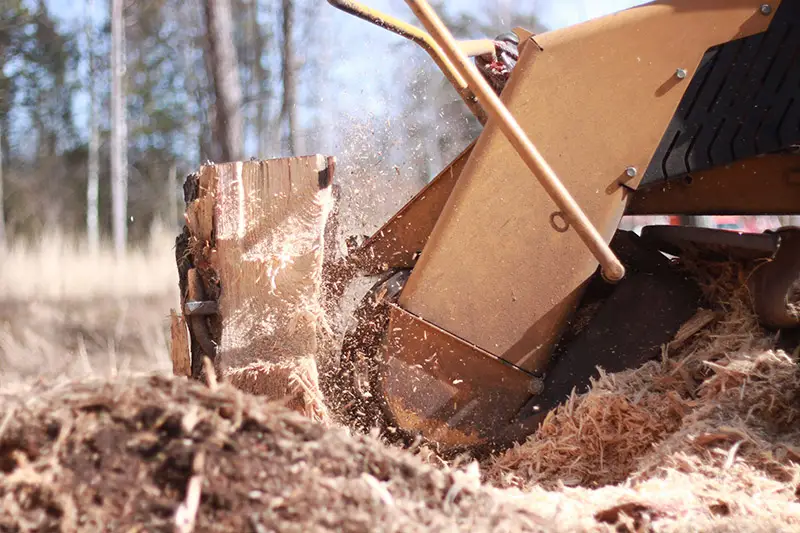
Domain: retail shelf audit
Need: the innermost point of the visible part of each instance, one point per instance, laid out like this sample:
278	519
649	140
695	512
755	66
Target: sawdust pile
158	454
706	439
717	416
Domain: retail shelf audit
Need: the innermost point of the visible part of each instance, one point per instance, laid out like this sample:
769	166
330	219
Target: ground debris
143	452
140	452
705	439
698	436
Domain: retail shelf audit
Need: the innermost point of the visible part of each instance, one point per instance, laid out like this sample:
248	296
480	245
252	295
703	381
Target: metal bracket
774	285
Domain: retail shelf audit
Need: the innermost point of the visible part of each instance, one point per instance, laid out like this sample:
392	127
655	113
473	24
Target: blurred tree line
198	80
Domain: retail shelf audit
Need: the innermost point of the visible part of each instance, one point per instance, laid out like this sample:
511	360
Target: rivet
766	9
631	172
681	73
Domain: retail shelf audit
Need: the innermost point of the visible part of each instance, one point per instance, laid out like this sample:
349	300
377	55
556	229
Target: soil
119	456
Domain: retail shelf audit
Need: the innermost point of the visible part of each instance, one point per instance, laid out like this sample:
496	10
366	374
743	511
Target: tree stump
250	266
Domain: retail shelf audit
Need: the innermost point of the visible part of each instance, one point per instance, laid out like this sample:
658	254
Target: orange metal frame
498	275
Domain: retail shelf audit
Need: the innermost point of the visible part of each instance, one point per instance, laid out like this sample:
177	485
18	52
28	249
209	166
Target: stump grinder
505	283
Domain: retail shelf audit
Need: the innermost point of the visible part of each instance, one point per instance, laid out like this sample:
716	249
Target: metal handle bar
412	33
612	268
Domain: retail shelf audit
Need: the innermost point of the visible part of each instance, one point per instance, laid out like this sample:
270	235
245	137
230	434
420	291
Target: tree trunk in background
2	210
262	112
93	173
316	28
262	92
289	107
224	72
119	159
173	198
189	16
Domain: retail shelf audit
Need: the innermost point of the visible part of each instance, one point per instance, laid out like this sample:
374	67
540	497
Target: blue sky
559	13
367	55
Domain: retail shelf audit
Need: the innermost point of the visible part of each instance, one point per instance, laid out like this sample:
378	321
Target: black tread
743	101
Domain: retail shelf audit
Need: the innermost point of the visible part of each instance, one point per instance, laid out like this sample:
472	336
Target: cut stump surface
261	228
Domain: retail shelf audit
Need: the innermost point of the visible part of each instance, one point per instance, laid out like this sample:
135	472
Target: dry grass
67	313
60	268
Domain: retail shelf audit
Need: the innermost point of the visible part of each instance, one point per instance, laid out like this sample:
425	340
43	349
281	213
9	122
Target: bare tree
93	174
314	66
289	106
119	134
223	66
262	91
2	211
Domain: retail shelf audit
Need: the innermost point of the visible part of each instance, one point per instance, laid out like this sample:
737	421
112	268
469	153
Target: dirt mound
150	453
125	455
705	439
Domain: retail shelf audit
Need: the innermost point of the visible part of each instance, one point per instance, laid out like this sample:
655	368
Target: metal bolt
681	73
766	9
631	172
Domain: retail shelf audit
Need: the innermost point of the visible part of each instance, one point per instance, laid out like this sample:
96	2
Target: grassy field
65	312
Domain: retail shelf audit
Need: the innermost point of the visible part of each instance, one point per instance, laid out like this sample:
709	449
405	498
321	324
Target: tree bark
119	133
224	72
93	171
289	106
